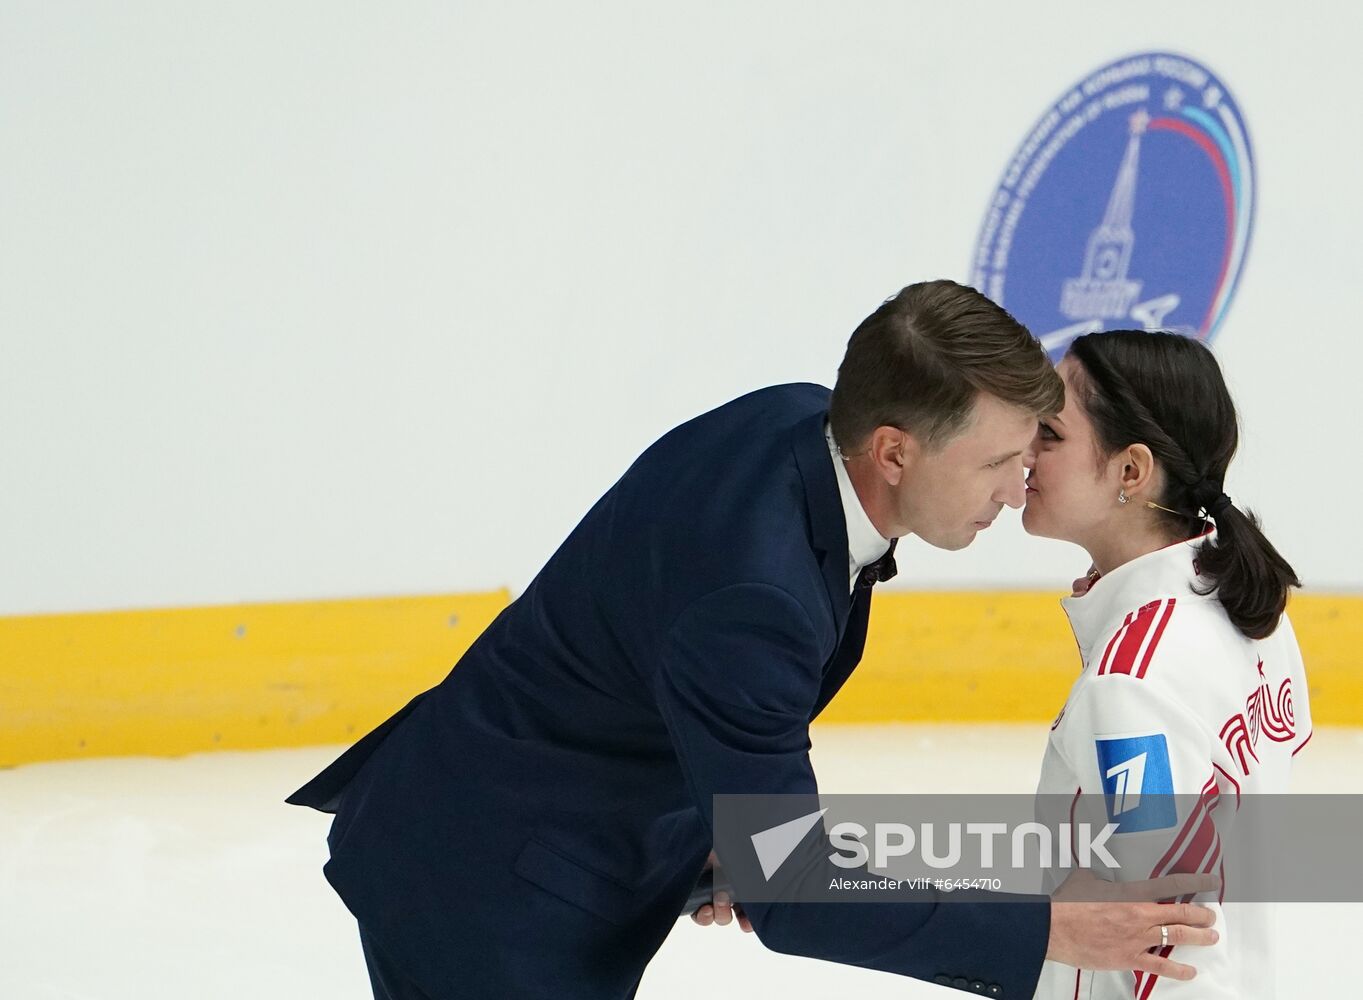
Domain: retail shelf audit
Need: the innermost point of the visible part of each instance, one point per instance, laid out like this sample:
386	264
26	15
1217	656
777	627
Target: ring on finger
1164	936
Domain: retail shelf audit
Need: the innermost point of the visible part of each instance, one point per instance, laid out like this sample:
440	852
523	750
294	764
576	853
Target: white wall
306	299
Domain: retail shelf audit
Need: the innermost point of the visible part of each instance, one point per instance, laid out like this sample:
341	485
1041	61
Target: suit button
995	990
942	980
977	986
961	983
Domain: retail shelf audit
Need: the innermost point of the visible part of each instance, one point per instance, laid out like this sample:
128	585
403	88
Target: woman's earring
1122	497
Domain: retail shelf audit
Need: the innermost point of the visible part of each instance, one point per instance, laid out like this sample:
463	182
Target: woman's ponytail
1249	577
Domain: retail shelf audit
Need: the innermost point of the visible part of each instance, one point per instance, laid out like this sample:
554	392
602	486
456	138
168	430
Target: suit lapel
827	523
848	654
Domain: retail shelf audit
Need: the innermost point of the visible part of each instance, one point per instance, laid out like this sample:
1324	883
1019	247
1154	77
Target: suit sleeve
738	678
1144	763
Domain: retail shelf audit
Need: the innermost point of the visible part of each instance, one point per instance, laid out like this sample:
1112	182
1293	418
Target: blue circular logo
1128	205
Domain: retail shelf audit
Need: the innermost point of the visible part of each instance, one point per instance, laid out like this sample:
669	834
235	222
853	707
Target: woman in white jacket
1192	680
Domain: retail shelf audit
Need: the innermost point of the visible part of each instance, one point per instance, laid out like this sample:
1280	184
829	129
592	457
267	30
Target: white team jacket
1173	698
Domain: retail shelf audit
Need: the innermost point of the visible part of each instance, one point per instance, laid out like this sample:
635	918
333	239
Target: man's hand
722	911
1117	933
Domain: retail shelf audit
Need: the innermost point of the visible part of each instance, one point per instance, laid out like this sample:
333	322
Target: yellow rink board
246	676
177	681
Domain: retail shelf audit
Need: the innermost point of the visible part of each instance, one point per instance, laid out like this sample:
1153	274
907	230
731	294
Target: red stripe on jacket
1107	653
1154	615
1197	848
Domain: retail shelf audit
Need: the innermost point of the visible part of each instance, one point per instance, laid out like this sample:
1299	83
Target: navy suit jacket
532	825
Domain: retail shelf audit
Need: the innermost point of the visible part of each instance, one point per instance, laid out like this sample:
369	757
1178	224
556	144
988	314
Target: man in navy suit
532	826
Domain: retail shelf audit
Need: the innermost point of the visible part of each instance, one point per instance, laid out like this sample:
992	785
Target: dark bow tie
879	571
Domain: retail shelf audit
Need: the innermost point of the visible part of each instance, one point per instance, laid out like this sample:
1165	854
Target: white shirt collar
1166	572
864	543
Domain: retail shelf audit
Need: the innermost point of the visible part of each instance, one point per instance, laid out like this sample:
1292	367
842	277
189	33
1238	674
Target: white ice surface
189	879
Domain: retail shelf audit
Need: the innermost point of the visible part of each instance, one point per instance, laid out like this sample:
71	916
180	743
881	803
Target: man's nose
1013	493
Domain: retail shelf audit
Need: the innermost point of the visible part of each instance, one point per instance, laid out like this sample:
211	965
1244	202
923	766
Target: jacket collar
1167	572
827	522
866	544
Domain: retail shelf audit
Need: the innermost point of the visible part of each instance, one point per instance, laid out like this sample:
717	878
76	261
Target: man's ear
895	452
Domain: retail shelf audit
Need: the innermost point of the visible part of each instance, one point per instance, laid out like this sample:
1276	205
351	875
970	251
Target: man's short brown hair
920	361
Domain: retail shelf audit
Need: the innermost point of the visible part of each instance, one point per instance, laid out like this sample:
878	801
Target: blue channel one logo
1128	205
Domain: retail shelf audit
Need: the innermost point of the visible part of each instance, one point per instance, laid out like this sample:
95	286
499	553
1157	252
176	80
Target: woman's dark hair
1166	391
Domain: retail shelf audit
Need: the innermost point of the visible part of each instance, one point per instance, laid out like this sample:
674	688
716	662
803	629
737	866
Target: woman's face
1071	495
